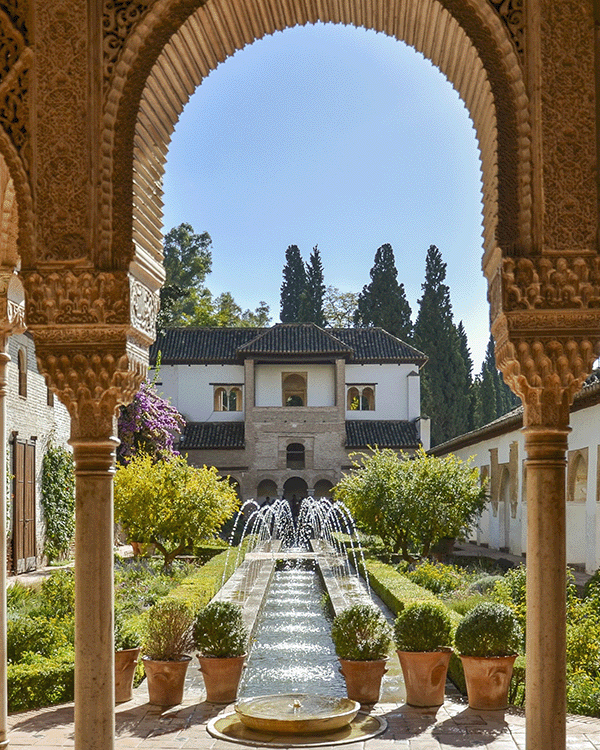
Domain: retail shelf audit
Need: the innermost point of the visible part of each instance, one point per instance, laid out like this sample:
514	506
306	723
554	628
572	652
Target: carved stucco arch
174	44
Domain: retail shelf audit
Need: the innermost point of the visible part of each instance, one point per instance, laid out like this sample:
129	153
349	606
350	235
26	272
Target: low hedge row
41	681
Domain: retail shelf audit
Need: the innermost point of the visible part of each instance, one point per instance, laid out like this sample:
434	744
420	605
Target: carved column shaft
4	359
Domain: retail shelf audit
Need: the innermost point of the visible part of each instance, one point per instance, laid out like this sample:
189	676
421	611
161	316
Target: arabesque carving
17	11
119	17
144	308
512	14
12	44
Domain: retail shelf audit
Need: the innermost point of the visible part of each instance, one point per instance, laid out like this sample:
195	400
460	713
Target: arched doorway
266	490
295	490
323	488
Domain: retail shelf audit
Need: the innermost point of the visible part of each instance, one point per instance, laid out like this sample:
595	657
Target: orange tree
170	503
412	502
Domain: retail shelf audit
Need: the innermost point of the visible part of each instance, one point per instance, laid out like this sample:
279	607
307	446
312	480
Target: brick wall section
31	416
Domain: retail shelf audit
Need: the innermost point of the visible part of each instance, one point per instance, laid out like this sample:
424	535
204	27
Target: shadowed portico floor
140	725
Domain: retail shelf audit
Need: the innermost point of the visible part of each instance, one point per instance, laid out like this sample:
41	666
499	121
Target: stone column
11	322
546	370
93	368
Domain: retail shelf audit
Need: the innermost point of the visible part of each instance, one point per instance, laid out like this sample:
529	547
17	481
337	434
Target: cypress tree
445	374
469	422
294	284
496	397
311	299
383	302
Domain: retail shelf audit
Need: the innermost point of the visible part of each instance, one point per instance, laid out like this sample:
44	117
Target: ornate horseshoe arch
157	54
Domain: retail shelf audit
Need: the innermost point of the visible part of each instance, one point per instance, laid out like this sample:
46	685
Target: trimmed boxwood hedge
41	681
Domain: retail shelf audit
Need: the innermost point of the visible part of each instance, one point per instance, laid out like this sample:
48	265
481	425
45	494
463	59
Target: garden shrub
41	681
437	577
361	633
58	594
489	629
511	591
423	627
484	584
21	598
583	694
36	635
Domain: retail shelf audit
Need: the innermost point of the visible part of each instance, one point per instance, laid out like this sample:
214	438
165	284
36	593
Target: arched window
295	458
294	388
228	398
578	480
360	398
22	367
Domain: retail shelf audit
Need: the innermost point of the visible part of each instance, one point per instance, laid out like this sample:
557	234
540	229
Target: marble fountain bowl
296	713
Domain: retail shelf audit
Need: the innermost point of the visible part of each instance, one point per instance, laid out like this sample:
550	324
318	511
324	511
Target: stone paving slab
139	725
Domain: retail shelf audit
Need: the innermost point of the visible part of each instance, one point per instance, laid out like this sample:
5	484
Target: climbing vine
58	500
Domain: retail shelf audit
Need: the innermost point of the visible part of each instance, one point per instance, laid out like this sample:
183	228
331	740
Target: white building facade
498	450
280	410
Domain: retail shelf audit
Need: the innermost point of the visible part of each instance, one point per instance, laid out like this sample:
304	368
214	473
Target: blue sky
335	136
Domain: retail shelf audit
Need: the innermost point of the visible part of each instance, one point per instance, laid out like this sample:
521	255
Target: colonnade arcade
90	91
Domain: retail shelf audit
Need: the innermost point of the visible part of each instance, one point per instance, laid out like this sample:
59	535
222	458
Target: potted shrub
222	641
167	639
362	638
422	634
127	652
488	639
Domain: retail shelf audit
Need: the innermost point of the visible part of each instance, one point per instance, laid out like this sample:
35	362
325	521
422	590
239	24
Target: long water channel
291	649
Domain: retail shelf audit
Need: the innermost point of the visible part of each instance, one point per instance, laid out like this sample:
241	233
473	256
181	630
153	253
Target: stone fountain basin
296	713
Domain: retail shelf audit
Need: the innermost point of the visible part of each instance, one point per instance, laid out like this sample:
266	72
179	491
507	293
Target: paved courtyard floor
139	725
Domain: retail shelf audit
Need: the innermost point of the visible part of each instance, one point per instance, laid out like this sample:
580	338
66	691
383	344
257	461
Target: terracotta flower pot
488	680
166	680
221	677
125	663
425	676
363	679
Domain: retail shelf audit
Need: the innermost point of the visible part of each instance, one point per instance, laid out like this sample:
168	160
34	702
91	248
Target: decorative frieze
118	19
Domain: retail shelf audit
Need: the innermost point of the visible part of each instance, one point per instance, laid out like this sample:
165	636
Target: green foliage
58	594
171	503
32	635
445	377
485	584
511	590
219	630
437	577
293	285
383	302
168	634
41	681
583	694
489	629
20	598
311	298
58	500
412	502
127	631
423	627
361	633
339	307
493	397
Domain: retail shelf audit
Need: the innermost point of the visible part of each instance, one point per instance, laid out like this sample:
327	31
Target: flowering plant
149	424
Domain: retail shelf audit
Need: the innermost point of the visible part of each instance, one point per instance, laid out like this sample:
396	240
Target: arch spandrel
174	44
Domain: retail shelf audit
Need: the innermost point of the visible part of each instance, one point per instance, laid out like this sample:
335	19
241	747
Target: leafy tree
494	397
171	504
294	283
187	261
58	500
148	425
224	312
311	299
412	502
339	307
383	302
444	376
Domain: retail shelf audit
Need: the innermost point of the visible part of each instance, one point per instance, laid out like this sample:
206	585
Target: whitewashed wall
191	389
394	398
320	384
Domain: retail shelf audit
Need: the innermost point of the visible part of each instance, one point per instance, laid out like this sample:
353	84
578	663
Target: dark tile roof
377	345
227	345
194	345
382	433
207	435
295	339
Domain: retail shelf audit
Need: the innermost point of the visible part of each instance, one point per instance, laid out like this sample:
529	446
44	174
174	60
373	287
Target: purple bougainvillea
149	424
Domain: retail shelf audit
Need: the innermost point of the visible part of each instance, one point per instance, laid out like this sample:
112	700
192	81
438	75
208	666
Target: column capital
546	323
